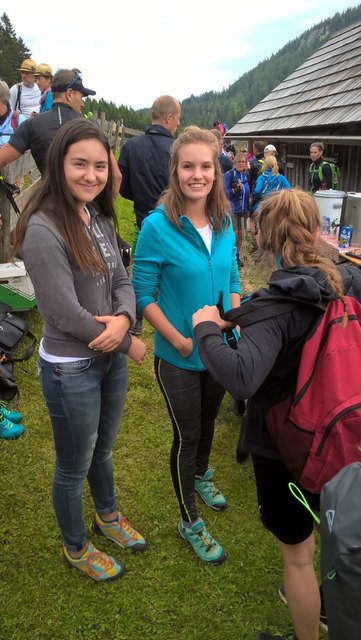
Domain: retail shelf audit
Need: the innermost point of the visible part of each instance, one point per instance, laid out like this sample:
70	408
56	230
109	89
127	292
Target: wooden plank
20	167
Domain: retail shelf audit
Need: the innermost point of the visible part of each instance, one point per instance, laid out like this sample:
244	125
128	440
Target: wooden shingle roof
323	93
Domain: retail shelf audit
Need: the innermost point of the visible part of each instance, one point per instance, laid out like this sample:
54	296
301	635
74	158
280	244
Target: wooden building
320	101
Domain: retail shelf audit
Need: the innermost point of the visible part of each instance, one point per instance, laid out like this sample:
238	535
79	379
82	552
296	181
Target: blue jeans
85	402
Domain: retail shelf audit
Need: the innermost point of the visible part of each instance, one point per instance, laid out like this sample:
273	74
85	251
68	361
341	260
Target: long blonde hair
173	199
289	221
271	161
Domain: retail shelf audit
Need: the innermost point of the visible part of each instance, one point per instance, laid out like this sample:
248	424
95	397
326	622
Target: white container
16	288
329	204
352	216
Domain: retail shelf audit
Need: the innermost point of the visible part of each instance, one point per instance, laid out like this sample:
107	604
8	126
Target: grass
167	593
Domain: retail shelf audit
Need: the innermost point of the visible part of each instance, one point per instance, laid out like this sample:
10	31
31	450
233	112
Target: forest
228	105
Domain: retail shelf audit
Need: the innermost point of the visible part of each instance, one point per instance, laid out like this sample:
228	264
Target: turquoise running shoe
9	430
95	564
202	543
13	416
209	493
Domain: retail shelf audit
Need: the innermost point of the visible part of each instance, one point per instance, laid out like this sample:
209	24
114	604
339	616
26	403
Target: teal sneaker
9	430
202	543
95	564
13	416
121	532
209	493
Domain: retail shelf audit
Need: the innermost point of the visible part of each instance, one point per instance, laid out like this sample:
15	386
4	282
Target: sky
130	54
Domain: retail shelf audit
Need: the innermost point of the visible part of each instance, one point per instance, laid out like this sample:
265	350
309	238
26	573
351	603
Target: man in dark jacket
144	159
255	167
144	164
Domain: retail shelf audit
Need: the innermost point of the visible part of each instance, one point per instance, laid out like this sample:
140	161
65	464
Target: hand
208	313
137	350
113	334
186	347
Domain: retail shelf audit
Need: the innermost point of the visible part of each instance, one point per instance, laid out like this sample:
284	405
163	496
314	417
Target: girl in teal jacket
186	258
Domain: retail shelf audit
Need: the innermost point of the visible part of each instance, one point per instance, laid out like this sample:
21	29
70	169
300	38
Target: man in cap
43	77
25	95
37	133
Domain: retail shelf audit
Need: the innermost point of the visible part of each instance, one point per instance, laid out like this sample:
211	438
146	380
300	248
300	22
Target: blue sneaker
202	543
209	493
13	416
9	430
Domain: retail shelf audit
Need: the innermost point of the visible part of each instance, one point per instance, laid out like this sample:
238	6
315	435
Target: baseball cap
76	84
43	69
28	65
270	147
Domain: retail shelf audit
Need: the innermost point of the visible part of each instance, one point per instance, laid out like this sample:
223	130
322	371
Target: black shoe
323	617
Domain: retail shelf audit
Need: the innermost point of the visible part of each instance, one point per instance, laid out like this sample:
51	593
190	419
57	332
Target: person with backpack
25	95
269	180
9	120
237	191
265	366
322	174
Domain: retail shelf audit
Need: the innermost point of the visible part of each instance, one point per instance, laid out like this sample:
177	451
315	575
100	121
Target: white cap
270	147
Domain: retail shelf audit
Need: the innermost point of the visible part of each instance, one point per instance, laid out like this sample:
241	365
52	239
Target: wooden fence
25	168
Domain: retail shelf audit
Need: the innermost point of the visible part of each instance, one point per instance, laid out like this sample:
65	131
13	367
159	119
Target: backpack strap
14	120
264	307
17	101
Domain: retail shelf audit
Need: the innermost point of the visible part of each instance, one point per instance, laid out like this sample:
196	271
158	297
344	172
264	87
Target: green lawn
167	594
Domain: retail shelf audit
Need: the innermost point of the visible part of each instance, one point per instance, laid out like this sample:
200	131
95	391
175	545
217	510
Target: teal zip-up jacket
173	267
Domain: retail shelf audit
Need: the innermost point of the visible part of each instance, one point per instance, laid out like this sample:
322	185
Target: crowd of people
192	198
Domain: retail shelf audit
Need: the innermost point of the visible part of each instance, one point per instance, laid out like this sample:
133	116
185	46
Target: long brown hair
54	199
173	198
289	221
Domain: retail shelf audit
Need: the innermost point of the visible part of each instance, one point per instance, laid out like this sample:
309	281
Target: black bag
17	344
341	552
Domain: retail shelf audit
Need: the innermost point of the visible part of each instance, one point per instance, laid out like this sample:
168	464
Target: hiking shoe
202	543
96	564
209	493
323	617
13	416
121	532
9	430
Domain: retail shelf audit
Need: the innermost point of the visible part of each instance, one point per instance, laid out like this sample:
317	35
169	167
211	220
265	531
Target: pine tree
12	51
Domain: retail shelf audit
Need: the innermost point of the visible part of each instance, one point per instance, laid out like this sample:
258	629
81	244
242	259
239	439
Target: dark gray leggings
193	399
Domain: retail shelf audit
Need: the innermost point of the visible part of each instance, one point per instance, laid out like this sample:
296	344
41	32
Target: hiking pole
9	190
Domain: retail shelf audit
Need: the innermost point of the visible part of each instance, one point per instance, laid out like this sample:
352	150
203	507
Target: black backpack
341	553
17	344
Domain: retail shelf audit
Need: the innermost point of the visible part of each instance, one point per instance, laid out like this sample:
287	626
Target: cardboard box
16	288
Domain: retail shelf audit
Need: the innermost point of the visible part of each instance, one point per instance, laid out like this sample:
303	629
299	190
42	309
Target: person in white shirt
25	95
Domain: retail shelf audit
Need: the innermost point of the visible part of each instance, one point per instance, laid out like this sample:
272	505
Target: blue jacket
239	199
172	266
266	183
